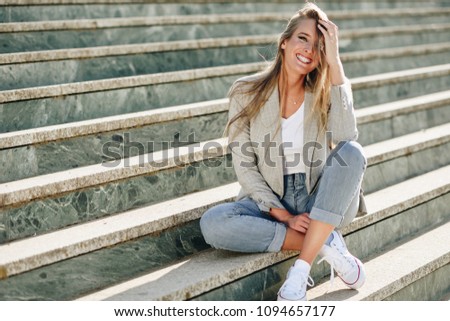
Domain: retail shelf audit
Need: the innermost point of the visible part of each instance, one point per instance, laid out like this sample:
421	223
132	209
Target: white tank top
292	138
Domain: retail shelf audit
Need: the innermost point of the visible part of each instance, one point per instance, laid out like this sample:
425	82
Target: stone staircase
111	147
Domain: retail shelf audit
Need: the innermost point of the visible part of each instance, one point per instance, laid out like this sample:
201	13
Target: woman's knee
352	154
211	222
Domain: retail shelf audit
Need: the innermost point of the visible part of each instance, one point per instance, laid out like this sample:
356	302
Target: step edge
138	21
143	224
202	285
146	118
43	186
436	259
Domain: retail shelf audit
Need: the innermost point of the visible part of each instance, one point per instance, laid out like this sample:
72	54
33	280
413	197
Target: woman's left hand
330	34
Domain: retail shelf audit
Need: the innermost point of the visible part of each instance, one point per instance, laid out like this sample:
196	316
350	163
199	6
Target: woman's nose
308	48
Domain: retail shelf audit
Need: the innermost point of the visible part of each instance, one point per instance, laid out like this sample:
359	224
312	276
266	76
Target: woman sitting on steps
292	132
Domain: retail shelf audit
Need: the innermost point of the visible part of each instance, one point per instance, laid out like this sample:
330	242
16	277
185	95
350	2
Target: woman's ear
283	44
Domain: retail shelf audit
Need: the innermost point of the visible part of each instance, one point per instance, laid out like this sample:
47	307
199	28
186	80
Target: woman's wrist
337	73
280	214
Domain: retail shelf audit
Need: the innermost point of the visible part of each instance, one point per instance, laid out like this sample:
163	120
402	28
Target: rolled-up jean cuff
278	239
325	216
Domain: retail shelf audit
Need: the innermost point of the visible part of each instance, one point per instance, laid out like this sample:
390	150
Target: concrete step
44	68
399	270
344	18
56	148
15	37
34	252
15	11
49	202
100	98
214	269
92	271
386	121
404	157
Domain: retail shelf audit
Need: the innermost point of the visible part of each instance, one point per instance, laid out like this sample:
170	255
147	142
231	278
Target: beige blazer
257	153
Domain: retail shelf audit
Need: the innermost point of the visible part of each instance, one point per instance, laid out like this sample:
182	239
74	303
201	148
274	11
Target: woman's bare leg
293	240
315	237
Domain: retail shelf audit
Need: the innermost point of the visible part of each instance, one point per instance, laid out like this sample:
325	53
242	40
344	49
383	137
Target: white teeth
303	59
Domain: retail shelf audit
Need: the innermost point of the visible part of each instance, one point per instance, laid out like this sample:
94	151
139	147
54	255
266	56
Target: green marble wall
399	169
397	91
40	159
432	287
47	40
264	284
22	114
69	279
62	12
84	274
359	68
374	132
40	216
67	71
48	214
29	161
393	40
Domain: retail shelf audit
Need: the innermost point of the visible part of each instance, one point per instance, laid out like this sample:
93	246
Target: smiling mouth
304	59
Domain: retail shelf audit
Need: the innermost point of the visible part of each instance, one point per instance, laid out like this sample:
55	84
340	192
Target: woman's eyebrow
304	33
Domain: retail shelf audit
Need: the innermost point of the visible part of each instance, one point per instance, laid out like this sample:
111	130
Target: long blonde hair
318	81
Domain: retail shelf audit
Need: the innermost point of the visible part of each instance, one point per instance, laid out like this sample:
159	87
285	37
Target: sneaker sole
361	277
280	298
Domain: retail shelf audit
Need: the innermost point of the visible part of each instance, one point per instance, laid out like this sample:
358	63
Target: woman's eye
302	38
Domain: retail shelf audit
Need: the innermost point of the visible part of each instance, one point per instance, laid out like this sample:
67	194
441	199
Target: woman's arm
341	116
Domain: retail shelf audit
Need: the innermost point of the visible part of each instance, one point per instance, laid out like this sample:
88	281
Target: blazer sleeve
341	115
245	160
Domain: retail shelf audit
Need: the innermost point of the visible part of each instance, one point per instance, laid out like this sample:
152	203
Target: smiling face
300	51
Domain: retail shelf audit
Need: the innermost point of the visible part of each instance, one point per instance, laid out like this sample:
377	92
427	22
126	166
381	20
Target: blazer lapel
272	124
310	132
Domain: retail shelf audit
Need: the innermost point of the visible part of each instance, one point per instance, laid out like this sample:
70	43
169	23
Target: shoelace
333	270
331	273
299	280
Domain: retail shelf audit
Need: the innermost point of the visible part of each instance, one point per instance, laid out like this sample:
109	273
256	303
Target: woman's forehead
307	27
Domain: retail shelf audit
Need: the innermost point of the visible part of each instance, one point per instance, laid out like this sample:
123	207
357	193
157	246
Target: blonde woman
292	132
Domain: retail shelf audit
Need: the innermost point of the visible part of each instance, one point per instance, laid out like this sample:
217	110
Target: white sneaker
348	268
294	288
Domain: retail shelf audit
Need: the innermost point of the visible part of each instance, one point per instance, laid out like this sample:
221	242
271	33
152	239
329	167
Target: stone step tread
19	256
395	76
105	124
109	2
200	73
394	269
26	254
71	180
126	121
208	270
81	24
144	48
126	82
395	147
394	108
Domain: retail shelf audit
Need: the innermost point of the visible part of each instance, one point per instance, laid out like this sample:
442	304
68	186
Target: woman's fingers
300	223
330	34
328	28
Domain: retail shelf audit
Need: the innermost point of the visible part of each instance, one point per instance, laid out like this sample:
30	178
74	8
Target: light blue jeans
241	226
